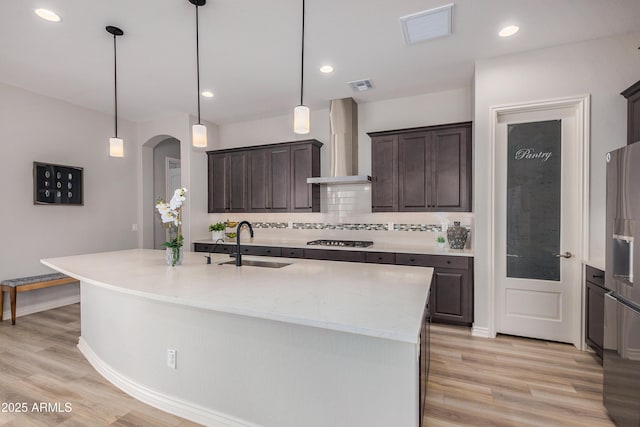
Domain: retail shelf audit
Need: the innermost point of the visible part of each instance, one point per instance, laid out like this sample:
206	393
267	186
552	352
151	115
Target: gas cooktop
345	243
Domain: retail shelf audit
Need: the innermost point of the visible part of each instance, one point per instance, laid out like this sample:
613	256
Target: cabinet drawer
218	248
261	250
413	259
334	255
293	252
202	247
380	257
594	275
459	262
423	260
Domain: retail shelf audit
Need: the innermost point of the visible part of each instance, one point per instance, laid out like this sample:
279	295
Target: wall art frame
57	184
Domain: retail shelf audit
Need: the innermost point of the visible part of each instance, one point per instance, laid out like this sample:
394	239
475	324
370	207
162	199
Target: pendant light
116	145
301	112
198	131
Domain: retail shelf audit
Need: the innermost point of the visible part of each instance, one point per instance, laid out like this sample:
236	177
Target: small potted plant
217	231
440	241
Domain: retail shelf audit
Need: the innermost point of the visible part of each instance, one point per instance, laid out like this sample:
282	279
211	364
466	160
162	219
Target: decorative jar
457	236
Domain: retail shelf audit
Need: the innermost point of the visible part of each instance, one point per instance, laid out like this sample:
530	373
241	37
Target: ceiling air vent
361	85
427	25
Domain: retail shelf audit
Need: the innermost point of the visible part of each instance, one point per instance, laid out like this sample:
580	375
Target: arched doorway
160	173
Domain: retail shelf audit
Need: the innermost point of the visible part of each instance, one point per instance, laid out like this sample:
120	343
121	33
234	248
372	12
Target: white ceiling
250	49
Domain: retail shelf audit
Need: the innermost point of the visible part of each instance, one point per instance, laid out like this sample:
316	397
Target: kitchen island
313	343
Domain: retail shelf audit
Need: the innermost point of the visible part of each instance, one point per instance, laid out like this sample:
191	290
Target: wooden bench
24	284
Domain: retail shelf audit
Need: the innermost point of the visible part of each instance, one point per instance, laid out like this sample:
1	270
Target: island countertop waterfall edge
337	314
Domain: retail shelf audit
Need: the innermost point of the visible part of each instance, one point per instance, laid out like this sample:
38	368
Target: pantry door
537	219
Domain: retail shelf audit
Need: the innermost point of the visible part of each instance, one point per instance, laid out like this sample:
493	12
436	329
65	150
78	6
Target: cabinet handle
448	261
598	276
412	260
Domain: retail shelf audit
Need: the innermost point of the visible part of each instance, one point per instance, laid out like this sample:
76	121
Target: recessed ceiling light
48	15
509	30
207	94
326	69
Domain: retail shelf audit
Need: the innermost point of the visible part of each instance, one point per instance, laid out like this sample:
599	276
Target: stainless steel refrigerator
621	360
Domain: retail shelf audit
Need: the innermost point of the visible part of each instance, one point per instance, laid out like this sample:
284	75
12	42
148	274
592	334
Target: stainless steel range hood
343	147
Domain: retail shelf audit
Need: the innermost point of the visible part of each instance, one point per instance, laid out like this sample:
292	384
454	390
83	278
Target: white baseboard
170	404
44	306
480	331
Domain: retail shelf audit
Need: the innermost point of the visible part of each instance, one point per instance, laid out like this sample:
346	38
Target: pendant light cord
115	83
302	58
198	62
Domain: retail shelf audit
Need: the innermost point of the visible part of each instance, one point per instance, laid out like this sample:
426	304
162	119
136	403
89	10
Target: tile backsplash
346	214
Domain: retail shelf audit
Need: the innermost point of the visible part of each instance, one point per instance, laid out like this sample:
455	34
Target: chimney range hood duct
343	147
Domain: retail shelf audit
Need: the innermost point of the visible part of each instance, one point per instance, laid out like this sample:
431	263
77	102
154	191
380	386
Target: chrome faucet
238	254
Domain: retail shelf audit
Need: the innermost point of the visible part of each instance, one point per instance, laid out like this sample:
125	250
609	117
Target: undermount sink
252	263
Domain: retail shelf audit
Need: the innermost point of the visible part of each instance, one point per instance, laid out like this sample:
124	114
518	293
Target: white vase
215	235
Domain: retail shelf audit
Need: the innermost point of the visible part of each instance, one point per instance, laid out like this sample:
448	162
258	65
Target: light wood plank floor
510	381
473	381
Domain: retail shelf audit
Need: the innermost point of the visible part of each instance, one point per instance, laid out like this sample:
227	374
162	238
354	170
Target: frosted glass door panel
533	200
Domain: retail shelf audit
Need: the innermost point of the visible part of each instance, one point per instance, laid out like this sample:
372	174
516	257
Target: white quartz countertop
385	301
376	247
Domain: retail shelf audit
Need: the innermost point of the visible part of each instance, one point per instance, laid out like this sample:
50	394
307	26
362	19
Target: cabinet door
451	170
384	171
633	120
305	163
632	94
218	182
238	167
451	296
258	180
279	179
594	319
414	172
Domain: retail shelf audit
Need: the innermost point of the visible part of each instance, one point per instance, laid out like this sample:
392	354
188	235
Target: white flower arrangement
171	213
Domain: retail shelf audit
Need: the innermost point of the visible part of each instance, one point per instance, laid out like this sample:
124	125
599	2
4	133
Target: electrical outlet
171	358
134	227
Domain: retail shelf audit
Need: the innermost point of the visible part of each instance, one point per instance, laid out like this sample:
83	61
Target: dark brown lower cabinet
451	298
594	309
425	348
332	255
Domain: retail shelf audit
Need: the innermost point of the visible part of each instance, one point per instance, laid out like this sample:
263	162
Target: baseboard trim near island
170	404
480	331
44	306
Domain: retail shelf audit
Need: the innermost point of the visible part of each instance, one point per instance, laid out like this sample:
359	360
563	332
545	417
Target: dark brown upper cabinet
384	167
228	182
305	163
422	169
633	112
266	178
269	177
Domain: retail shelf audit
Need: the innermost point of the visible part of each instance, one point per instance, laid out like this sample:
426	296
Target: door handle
564	255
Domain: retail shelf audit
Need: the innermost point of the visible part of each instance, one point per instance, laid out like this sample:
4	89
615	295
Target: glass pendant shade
301	119
116	147
199	135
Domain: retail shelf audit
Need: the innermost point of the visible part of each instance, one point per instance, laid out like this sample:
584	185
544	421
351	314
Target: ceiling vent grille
361	85
427	25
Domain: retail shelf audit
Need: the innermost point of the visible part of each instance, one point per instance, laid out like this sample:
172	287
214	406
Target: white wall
38	128
450	106
601	68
